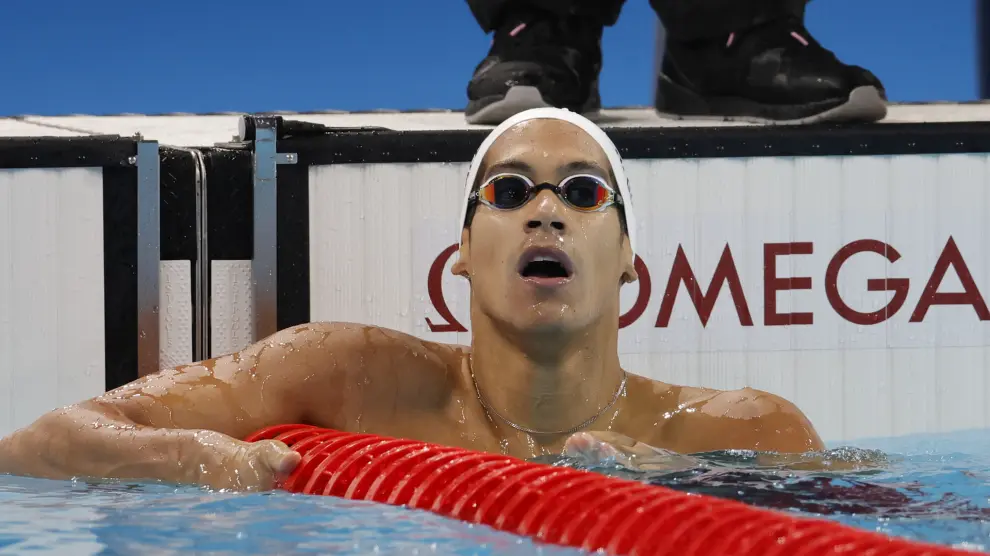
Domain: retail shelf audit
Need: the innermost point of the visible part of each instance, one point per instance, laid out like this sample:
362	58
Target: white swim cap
589	127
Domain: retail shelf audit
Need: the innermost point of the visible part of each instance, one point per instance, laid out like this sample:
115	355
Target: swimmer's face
546	265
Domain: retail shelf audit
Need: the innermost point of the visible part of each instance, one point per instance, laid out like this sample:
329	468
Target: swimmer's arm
94	440
782	427
165	426
748	419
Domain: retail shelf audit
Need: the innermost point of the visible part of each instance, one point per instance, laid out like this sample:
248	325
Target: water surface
933	488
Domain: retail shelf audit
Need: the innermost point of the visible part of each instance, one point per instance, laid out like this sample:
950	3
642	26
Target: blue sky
111	56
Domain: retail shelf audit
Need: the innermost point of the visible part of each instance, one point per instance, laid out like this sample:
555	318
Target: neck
546	382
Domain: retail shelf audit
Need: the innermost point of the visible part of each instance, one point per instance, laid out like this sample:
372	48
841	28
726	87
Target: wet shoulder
744	403
663	399
747	419
692	419
374	340
388	362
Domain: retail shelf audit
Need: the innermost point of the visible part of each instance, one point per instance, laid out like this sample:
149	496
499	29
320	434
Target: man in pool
547	238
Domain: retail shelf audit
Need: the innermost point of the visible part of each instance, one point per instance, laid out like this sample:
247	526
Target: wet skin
544	356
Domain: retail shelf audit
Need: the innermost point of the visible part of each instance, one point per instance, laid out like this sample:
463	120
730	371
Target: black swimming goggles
582	192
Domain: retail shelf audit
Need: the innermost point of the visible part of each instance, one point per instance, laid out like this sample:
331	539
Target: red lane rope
560	505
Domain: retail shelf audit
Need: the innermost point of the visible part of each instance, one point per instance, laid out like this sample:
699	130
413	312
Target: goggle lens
586	193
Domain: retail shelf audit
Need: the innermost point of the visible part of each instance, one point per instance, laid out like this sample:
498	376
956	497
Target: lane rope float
561	505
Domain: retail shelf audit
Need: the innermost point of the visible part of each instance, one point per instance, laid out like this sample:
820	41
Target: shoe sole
864	104
515	100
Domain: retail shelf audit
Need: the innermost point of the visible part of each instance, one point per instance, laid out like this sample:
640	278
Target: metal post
264	264
201	313
148	256
201	270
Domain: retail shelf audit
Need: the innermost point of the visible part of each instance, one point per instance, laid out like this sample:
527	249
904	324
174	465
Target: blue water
932	488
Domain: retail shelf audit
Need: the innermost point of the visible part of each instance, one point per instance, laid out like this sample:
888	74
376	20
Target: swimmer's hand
84	442
243	466
604	448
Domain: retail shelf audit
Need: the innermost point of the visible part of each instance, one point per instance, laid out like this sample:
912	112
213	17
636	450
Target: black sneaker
537	60
774	73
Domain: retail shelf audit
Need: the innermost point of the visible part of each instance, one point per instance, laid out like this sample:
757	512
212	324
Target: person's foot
537	60
774	73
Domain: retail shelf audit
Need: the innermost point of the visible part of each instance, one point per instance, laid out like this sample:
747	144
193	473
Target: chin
547	318
544	328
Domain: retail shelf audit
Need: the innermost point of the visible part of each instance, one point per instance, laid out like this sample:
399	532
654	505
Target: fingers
577	444
278	457
603	448
586	446
614	438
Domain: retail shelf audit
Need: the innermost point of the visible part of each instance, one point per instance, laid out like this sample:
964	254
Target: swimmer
547	237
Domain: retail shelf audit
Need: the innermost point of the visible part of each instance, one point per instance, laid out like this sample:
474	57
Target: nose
546	213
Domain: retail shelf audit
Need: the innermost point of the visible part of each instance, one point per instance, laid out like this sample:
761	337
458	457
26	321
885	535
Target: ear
462	265
629	274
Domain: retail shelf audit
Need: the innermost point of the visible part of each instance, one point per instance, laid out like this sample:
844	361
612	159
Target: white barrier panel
175	314
51	291
854	286
55	295
231	307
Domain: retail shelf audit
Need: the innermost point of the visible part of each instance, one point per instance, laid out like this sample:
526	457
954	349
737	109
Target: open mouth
545	265
544	268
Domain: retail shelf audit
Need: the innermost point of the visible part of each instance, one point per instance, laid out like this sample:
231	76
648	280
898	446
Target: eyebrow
509	166
584	166
569	168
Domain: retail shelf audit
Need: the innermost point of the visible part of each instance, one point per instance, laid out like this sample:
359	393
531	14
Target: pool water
932	488
76	517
